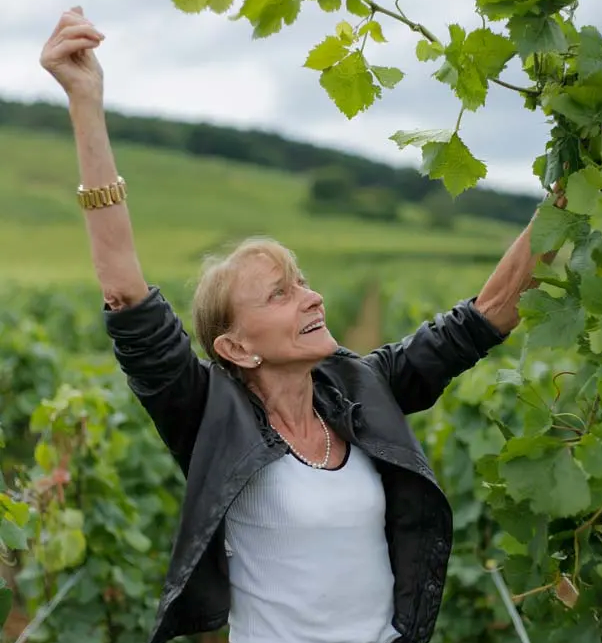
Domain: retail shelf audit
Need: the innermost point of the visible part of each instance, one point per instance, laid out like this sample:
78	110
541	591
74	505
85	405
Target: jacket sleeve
419	367
162	370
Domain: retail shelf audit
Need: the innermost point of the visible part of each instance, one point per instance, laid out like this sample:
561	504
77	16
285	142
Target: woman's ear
232	350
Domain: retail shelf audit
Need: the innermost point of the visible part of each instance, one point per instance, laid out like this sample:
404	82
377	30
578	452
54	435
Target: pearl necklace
314	465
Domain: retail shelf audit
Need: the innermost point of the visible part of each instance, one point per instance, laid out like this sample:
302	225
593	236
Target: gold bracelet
103	197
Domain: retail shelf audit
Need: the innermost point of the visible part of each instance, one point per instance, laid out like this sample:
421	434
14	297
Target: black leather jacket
219	434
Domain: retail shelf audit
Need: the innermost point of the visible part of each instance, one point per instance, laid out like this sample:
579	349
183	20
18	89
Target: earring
257	360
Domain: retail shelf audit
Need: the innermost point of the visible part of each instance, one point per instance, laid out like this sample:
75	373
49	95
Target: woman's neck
288	400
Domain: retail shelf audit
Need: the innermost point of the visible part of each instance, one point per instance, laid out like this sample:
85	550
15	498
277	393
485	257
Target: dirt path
366	334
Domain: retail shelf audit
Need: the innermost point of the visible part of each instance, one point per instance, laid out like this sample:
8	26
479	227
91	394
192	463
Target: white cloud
205	67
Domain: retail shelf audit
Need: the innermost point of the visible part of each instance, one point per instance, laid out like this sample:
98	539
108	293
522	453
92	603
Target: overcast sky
158	60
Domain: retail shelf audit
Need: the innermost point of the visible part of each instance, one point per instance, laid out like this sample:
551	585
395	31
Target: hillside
184	207
268	150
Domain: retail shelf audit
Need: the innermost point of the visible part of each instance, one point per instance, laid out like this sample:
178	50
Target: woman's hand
69	56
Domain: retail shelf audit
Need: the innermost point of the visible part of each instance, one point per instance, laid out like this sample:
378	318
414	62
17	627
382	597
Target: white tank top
308	557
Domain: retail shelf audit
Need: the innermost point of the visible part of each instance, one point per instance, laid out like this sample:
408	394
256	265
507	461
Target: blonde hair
212	310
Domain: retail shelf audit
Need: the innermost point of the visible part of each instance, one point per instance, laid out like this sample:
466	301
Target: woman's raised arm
69	57
149	342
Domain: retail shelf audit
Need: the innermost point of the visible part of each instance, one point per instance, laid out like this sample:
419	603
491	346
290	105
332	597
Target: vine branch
586	525
430	36
401	17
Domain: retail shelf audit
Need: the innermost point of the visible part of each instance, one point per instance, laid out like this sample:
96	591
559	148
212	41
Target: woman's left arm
499	298
419	368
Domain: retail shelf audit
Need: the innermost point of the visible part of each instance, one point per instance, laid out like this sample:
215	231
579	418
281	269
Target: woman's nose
312	299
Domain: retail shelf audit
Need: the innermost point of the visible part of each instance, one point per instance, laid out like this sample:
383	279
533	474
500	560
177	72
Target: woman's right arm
149	342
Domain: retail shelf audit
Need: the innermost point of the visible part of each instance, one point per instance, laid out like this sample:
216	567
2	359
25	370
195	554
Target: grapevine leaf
532	446
500	9
12	535
589	453
268	17
475	58
453	163
447	74
509	376
553	484
18	512
220	6
564	104
190	6
552	227
329	52
345	33
536	35
589	59
551	322
426	50
489	51
349	84
329	5
6	601
136	539
419	138
387	76
591	292
358	8
583	190
374	29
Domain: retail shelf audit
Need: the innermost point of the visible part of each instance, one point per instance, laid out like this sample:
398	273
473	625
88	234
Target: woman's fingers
72	46
80	31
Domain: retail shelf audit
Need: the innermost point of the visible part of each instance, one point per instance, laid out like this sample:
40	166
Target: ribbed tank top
308	557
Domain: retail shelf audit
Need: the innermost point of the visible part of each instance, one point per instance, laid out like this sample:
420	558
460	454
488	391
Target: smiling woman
311	514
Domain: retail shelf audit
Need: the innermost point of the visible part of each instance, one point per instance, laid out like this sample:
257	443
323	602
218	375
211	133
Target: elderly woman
311	514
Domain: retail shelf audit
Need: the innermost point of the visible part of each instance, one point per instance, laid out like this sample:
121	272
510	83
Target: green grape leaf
564	104
531	446
268	17
345	33
509	376
419	138
536	35
583	191
552	227
17	512
475	58
12	535
591	292
453	163
553	484
6	602
589	59
329	52
374	29
190	6
136	539
350	85
329	5
589	453
358	8
46	456
220	6
447	74
500	9
551	322
387	76
489	52
427	50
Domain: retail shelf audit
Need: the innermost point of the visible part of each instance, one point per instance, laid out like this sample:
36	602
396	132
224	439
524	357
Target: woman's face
282	323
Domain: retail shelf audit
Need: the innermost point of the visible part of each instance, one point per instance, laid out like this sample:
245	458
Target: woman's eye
278	292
